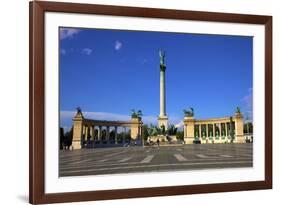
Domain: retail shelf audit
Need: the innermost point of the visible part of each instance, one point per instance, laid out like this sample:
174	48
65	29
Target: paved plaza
150	159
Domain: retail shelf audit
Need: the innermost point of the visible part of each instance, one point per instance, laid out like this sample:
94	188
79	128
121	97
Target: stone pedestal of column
163	120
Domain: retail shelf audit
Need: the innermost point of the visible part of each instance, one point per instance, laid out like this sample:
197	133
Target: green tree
68	137
145	132
172	130
112	135
62	138
180	135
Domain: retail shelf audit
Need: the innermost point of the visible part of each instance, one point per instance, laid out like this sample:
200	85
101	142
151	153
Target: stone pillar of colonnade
115	135
214	131
220	134
123	136
225	131
239	125
92	131
207	131
77	130
220	130
86	132
200	135
107	134
228	130
189	123
99	133
136	125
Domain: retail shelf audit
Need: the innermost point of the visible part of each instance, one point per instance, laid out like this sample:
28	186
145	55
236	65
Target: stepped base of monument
164	140
165	144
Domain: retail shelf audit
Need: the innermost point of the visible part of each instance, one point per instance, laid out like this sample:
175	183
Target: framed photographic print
132	102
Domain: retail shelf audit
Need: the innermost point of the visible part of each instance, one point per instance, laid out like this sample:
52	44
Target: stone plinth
77	131
189	123
136	131
239	128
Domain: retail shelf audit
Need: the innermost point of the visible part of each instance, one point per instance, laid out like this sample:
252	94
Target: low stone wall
215	140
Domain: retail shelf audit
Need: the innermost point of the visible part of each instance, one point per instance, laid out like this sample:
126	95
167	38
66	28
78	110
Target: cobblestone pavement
150	159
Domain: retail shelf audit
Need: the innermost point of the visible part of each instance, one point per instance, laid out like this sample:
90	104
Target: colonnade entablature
214	130
103	131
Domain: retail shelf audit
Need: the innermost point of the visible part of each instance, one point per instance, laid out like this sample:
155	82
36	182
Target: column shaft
199	131
92	132
115	137
107	134
99	133
220	130
124	133
86	133
162	94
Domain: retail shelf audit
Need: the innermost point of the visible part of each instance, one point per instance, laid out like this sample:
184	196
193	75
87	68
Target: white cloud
68	115
68	32
106	116
66	118
118	45
149	119
87	51
248	99
180	124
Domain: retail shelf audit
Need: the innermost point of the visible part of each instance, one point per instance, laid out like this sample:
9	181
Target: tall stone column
162	119
162	91
207	131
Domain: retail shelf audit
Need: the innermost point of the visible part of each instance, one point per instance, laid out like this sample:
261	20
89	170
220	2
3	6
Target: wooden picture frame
37	101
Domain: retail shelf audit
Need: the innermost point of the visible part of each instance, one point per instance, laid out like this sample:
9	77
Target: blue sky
109	72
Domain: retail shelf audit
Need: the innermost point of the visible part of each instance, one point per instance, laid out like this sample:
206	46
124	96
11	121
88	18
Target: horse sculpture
189	113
